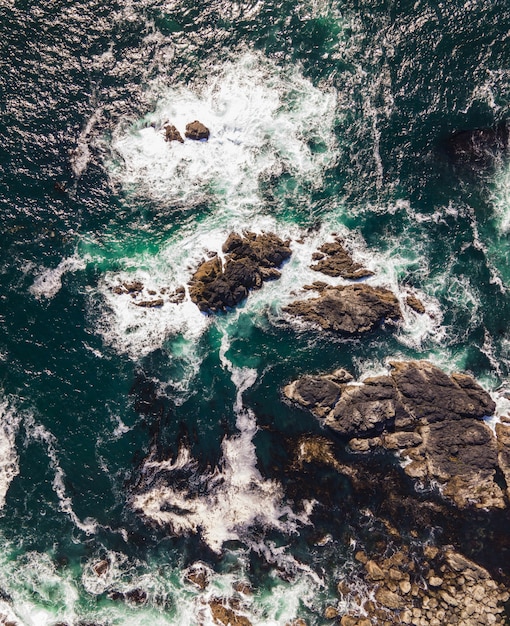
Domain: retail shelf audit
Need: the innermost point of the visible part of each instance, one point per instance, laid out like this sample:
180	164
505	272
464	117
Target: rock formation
197	131
249	261
172	134
432	586
347	310
432	420
334	260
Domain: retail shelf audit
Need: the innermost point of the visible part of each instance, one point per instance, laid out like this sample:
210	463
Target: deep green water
325	117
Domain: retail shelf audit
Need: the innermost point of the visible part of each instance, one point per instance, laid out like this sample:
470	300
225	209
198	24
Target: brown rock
249	261
415	303
348	620
330	612
334	260
388	598
374	572
199	575
348	310
101	567
151	304
172	134
223	614
197	131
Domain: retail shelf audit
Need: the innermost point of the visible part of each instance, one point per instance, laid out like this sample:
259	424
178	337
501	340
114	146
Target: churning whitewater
259	376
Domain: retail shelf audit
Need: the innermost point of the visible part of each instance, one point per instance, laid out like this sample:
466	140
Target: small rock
197	131
330	612
374	572
172	134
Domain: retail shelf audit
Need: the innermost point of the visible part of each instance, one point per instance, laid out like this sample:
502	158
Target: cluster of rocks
249	260
434	421
149	298
427	586
347	309
194	130
334	260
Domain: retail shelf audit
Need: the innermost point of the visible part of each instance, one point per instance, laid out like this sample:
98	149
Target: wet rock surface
423	586
432	420
347	310
334	260
250	259
225	613
172	134
197	131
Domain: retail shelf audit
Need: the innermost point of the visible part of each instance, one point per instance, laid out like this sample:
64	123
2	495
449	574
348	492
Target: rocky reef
433	421
249	260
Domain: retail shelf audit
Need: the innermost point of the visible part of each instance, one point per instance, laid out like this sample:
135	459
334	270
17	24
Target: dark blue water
324	118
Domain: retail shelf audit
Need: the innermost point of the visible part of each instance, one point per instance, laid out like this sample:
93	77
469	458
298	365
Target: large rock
334	260
249	261
197	131
347	310
432	419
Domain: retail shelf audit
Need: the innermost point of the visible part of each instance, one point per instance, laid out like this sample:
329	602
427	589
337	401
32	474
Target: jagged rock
199	575
432	419
172	134
416	304
249	261
334	260
101	567
132	288
348	310
478	147
197	131
151	304
223	614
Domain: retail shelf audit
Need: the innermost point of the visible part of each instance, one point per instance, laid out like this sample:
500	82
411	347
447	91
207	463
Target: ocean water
325	117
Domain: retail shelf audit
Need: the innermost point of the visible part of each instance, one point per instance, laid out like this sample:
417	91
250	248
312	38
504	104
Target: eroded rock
250	260
334	260
432	419
172	134
347	310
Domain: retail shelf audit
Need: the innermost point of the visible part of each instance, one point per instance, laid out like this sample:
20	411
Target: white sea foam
9	425
236	497
260	119
49	281
37	432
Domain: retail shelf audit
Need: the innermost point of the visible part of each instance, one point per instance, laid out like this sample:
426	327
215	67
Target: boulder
223	614
249	261
347	310
334	260
197	131
416	304
172	134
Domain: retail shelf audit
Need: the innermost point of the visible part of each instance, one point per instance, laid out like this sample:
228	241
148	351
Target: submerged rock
431	419
249	261
197	131
347	310
334	260
478	147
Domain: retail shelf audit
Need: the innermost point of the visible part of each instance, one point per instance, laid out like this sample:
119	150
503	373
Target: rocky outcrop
415	303
432	420
224	613
478	147
144	298
249	261
347	310
334	260
197	131
429	586
172	134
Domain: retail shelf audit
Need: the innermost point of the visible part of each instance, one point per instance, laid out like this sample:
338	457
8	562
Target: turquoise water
325	117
